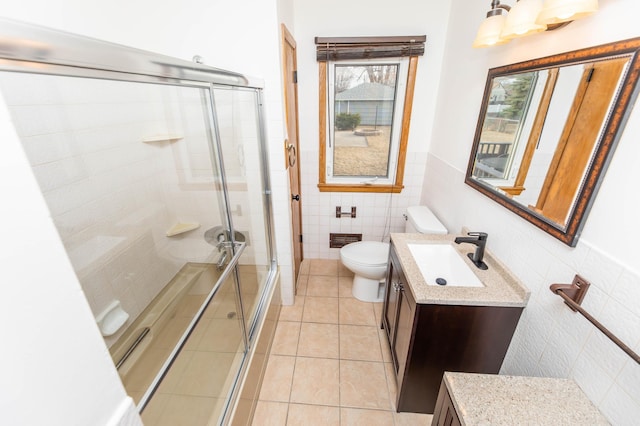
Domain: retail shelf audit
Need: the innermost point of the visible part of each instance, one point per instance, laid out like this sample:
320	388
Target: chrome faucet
222	261
479	239
222	242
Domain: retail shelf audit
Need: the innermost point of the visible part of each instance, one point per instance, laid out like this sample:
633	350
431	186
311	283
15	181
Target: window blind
346	48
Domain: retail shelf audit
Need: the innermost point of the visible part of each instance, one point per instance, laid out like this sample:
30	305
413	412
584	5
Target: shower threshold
205	369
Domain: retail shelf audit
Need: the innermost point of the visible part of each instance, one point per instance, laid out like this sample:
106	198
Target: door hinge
300	237
295	77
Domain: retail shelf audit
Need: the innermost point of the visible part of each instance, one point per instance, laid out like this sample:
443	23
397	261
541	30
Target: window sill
327	187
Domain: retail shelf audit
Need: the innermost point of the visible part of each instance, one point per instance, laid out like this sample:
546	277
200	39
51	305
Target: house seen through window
364	128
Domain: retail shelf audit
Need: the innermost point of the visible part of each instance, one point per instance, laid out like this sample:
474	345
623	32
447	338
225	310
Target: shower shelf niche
181	228
162	138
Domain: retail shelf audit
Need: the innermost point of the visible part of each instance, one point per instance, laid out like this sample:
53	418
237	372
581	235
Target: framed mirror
547	130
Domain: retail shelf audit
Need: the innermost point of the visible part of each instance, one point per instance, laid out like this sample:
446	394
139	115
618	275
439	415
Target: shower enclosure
154	171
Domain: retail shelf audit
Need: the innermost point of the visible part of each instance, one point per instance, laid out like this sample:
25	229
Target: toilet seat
366	253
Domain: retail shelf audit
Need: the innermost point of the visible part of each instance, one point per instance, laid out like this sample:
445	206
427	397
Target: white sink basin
442	261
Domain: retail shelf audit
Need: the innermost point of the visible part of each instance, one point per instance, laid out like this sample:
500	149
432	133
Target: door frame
292	147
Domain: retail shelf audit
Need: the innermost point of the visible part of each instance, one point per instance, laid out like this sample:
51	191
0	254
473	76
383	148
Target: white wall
550	339
83	388
364	18
47	376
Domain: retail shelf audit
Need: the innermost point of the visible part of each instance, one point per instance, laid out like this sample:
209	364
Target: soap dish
112	319
181	228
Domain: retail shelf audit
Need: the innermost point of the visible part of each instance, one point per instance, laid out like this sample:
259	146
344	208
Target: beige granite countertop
490	399
501	287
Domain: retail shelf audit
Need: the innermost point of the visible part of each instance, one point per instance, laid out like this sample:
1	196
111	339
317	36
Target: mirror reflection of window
526	132
509	102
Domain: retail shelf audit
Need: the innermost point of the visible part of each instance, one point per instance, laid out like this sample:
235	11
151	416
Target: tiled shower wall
377	214
112	196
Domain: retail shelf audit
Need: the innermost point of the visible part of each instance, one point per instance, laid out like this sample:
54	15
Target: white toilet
368	259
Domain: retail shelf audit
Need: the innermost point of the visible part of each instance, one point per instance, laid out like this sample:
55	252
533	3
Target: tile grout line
295	359
339	351
340	358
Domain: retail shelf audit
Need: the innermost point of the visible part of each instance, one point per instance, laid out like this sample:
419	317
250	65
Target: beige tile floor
330	363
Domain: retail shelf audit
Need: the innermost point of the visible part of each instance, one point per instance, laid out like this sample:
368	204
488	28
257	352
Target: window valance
346	48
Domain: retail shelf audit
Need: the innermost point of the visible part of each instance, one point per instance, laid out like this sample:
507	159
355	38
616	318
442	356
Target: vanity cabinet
427	339
445	413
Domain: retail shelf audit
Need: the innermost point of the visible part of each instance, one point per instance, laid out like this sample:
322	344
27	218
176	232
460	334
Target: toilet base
367	290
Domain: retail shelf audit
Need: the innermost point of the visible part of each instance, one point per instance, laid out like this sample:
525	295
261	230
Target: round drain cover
441	281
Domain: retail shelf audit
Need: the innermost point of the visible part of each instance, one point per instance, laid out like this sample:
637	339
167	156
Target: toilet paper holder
340	213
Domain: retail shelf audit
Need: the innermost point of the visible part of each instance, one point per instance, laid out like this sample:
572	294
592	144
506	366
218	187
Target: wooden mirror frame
613	125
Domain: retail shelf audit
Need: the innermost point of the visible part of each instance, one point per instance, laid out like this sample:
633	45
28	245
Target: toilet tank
422	220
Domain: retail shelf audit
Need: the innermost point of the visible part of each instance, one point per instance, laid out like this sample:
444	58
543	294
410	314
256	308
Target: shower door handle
296	197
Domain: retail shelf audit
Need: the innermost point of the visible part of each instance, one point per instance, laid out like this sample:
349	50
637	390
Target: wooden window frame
397	186
336	49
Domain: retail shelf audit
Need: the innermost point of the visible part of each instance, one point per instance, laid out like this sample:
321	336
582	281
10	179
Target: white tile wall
377	214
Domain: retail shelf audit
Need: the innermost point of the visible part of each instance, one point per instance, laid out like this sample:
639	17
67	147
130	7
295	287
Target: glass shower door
132	179
237	121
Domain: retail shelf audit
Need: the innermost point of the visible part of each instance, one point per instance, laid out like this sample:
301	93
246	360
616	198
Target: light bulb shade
521	20
489	32
558	11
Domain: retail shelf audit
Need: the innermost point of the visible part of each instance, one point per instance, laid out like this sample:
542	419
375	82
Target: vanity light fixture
521	20
526	17
558	11
490	29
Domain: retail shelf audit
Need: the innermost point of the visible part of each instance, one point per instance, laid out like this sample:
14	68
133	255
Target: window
365	111
365	107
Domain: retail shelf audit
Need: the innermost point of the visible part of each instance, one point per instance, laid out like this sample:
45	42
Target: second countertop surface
491	399
501	287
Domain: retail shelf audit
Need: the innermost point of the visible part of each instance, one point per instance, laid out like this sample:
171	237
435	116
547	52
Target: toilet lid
371	253
425	221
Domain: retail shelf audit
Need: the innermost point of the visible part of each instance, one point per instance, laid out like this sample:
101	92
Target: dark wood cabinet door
445	413
404	331
390	309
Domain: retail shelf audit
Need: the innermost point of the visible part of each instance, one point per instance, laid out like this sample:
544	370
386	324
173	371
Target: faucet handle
480	235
